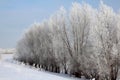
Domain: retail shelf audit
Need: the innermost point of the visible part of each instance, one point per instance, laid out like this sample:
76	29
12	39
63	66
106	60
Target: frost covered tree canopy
82	41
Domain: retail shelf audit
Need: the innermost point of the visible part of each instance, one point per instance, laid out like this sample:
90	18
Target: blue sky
18	15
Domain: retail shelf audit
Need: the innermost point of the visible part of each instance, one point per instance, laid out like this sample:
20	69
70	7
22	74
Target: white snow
10	70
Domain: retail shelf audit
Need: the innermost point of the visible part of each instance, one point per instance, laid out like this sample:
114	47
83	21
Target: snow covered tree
108	43
58	24
81	22
82	42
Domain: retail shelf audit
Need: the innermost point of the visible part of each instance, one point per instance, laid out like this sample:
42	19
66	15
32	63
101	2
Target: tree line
83	41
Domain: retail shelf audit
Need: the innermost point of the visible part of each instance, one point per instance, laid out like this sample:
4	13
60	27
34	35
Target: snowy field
10	70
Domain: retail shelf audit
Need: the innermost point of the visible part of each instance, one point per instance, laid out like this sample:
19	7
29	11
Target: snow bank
11	70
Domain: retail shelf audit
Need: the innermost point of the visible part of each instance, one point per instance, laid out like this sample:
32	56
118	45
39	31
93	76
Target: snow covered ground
10	70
